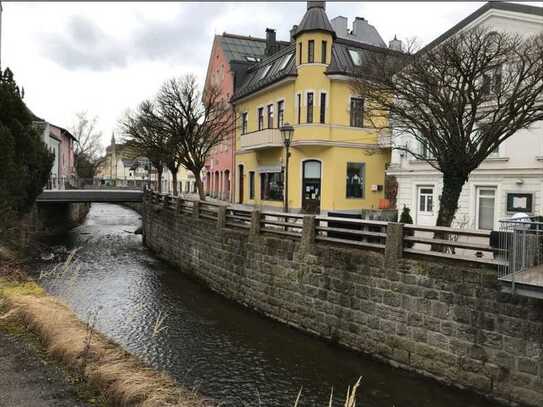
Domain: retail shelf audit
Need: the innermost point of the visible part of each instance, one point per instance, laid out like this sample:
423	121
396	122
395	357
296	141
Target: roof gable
493	5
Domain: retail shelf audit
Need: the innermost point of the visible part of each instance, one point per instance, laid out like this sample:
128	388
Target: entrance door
486	202
311	186
240	172
425	206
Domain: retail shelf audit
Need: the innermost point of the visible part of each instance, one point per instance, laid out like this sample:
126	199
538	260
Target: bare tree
141	134
460	100
193	124
88	147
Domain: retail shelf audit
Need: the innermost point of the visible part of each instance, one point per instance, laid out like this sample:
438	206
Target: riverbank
102	365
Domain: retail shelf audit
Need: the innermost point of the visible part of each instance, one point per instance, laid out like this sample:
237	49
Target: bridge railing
436	242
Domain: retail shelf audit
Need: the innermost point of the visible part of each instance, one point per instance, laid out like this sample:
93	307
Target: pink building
62	144
230	56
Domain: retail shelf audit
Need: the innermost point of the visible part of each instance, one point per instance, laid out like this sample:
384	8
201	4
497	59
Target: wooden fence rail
438	242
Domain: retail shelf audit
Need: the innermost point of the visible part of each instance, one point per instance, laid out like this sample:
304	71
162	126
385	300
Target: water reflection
225	351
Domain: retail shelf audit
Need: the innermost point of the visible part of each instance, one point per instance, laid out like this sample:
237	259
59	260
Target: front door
311	186
425	206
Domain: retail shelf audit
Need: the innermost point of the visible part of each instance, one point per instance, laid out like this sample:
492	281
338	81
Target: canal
206	342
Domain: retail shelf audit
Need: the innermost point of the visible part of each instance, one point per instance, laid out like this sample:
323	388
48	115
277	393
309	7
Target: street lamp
286	133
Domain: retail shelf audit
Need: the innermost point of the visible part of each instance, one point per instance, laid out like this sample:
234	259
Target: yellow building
337	159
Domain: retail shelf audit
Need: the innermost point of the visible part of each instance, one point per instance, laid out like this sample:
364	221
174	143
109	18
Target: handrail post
255	222
309	232
221	217
394	243
179	205
196	209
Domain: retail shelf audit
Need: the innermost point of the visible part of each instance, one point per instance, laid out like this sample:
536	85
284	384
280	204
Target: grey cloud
184	39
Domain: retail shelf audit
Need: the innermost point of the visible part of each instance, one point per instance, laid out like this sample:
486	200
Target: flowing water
204	341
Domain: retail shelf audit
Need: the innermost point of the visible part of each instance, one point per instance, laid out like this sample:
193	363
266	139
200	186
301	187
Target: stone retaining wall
442	319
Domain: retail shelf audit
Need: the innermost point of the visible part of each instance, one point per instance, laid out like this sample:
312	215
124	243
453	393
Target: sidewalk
26	380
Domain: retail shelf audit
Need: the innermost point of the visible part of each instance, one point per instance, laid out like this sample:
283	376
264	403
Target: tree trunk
174	182
200	186
159	178
452	187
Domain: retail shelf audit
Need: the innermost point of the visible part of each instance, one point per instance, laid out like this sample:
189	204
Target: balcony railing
261	139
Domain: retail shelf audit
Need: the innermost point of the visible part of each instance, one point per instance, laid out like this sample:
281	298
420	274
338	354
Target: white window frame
426	195
478	189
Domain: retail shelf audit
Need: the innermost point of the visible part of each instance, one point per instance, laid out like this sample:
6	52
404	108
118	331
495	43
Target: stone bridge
90	195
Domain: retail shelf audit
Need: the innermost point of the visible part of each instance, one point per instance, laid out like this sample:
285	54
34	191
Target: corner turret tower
314	36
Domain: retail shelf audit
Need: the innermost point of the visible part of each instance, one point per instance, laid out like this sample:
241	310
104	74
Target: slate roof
492	5
341	63
239	47
253	78
315	19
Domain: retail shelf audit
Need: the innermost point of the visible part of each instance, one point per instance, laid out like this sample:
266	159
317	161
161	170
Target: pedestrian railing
283	224
437	242
520	244
356	232
238	218
452	243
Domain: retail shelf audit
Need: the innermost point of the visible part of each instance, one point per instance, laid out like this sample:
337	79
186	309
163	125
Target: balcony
261	139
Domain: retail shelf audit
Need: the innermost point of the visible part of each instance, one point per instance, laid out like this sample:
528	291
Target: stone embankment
444	319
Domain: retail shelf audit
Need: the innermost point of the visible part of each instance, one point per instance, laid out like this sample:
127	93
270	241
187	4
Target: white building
509	181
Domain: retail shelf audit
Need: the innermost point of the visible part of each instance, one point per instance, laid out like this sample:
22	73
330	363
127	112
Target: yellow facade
333	143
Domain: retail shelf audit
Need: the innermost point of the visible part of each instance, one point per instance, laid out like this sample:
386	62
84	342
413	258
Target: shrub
406	218
25	162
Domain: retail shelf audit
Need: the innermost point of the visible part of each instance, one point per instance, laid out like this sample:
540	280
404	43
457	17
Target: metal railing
432	241
520	246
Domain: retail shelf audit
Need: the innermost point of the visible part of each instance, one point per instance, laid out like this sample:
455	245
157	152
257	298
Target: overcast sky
107	57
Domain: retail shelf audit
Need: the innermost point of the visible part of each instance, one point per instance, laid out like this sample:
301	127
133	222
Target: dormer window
265	71
355	57
284	62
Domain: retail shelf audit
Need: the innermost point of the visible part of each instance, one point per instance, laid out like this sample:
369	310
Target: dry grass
116	373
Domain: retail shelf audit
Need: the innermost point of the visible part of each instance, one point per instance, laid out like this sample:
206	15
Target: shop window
355	180
271	186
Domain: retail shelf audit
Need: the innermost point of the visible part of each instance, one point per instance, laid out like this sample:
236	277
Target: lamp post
286	133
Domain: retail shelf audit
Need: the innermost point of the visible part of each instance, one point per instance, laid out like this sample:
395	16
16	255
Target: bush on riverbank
25	161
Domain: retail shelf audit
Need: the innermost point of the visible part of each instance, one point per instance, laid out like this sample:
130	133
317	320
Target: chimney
359	26
339	24
292	32
271	42
395	44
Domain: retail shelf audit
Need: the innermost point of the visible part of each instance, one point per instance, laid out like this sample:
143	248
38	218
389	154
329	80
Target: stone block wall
446	320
